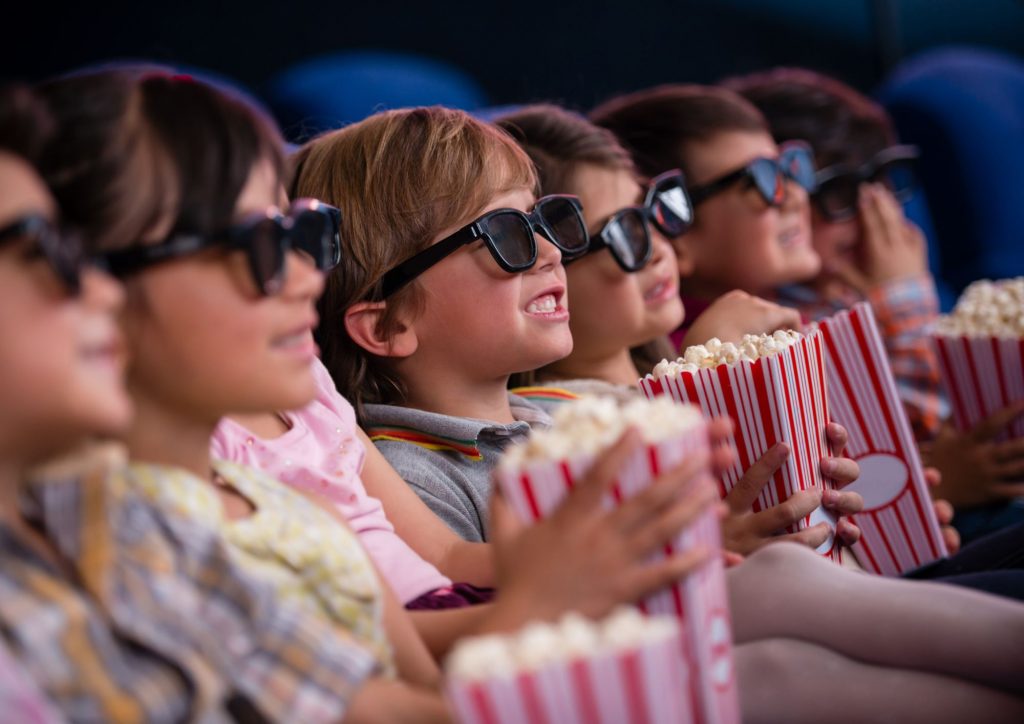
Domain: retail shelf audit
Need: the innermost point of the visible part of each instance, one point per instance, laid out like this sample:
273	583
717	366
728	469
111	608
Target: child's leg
787	591
784	680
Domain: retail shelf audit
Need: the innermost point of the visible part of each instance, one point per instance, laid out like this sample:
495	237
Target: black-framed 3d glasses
509	237
62	251
767	175
627	232
838	186
310	227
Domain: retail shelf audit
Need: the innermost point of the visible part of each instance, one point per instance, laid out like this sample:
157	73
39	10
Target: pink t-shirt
322	453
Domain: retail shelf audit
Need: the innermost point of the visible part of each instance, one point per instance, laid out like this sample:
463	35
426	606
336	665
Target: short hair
840	124
138	144
657	126
558	141
400	178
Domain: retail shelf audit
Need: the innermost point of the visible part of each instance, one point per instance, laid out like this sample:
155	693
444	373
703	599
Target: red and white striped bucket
982	375
899	527
700	601
646	685
777	398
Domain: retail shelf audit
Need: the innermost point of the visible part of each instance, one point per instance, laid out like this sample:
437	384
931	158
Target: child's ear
362	322
685	255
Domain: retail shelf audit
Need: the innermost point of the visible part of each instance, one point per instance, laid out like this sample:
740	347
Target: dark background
576	53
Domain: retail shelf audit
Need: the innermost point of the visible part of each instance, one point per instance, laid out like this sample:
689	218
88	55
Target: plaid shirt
167	627
904	309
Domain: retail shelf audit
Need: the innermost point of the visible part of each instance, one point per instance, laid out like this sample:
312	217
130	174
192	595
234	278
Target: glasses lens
798	164
63	253
671	209
629	239
312	234
837	197
765	173
899	177
266	254
511	240
565	223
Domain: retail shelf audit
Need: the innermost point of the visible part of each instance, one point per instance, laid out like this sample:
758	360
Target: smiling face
479	322
62	361
738	241
204	342
611	309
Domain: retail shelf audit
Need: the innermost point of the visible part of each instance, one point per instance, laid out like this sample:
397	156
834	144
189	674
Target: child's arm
385	701
417	525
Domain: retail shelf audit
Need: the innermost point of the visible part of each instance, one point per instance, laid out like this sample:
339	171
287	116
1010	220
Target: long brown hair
400	178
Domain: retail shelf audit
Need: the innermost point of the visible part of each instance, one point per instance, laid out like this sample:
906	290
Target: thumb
747	488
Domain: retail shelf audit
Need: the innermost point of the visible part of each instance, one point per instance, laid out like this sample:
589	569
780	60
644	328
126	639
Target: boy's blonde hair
400	178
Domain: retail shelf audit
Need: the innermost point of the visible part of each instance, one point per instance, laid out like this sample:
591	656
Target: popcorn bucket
982	375
777	398
645	685
899	527
700	601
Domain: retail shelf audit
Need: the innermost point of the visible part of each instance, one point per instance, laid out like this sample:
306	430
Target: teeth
292	339
543	305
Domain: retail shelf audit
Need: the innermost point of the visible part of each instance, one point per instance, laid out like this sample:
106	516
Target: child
100	602
871	251
613	309
751	226
223	293
439	170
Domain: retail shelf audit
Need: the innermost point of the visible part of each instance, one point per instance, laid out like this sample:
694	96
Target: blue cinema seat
331	91
964	108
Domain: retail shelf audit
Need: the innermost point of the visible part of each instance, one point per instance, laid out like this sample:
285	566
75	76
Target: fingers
951	537
1009	451
666	526
787	513
932	477
871	219
679	483
842	503
890	212
837	437
943	511
586	497
841	471
749	487
655	576
811	537
848	532
991	426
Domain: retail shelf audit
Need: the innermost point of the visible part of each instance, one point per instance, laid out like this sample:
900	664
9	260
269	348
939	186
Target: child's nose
101	291
548	255
302	278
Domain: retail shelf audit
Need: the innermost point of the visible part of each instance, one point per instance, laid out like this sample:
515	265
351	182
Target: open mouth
665	289
548	305
298	341
107	352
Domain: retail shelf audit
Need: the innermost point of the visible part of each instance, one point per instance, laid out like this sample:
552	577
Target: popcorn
696	666
980	348
773	388
539	644
591	424
987	309
626	669
715	352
